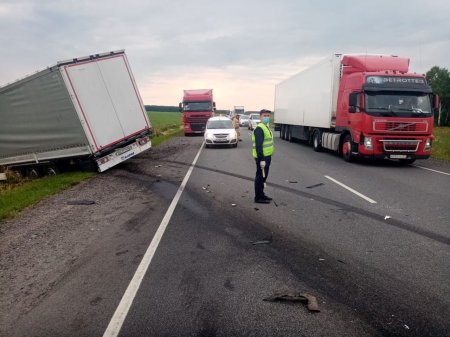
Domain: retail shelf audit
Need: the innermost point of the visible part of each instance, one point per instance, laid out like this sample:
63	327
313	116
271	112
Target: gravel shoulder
55	247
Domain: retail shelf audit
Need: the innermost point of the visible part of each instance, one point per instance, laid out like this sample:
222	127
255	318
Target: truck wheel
317	146
51	171
347	149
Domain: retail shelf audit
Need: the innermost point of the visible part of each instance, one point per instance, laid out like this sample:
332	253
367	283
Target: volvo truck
360	106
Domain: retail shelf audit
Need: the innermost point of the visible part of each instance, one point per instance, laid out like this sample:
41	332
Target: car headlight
208	135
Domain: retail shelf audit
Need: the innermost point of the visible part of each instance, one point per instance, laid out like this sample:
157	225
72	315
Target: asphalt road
376	258
376	268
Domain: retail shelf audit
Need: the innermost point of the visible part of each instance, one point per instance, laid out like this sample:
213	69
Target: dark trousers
259	180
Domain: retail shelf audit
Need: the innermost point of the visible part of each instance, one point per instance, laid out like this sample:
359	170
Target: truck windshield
197	106
398	104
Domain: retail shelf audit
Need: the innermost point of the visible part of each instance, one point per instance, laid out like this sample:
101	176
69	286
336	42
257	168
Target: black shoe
262	201
267	198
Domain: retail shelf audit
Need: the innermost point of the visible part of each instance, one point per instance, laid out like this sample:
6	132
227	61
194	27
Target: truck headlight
368	143
427	145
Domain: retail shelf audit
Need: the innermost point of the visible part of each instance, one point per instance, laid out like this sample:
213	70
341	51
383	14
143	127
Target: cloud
226	45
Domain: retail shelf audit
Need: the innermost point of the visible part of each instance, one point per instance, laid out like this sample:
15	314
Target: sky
239	48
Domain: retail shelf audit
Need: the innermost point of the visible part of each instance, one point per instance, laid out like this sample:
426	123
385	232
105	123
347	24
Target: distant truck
359	105
239	110
197	107
86	110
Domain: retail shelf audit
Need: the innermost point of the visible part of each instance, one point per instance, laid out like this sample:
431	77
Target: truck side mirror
436	102
180	107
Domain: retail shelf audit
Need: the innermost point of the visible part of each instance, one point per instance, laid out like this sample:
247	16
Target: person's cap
265	111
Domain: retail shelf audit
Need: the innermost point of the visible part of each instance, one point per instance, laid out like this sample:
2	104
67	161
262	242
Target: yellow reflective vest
268	147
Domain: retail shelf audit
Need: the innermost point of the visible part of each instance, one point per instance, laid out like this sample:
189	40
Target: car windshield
398	104
255	116
244	117
219	124
197	106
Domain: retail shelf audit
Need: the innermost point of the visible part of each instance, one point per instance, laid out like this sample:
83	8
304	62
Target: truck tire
317	141
346	149
33	173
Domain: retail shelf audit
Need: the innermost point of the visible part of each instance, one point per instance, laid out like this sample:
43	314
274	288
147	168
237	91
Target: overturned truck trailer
86	110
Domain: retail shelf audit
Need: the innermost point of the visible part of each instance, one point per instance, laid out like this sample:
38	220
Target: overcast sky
240	48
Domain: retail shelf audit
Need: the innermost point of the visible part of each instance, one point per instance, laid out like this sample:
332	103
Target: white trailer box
314	104
87	107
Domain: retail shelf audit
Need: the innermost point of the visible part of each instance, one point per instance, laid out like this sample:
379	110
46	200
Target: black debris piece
80	202
316	185
308	299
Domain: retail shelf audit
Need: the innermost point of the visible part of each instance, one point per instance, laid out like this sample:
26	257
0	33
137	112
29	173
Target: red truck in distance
360	106
197	107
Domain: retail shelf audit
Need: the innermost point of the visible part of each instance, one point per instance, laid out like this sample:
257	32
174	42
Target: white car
219	132
253	121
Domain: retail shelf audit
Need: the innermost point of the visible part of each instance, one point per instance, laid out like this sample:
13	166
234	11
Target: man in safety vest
263	149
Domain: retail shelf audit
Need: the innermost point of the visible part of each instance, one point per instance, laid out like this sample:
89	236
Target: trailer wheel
33	173
51	171
347	149
317	146
288	133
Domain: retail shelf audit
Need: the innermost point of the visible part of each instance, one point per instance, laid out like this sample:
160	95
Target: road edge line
117	320
351	190
426	168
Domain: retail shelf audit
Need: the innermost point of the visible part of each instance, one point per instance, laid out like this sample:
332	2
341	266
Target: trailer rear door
106	98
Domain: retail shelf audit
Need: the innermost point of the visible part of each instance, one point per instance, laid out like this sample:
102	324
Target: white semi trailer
86	110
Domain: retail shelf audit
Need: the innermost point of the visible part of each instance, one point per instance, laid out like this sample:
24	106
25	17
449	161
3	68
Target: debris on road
316	185
158	166
387	217
276	205
80	202
342	261
406	327
308	299
256	209
262	242
233	205
320	259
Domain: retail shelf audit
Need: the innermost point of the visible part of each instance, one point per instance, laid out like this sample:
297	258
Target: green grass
14	198
441	144
165	125
20	193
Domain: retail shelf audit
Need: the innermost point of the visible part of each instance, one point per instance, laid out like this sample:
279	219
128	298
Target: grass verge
165	125
14	198
20	193
441	144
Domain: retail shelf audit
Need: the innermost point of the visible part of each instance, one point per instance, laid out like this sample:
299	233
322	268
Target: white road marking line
426	168
121	312
352	190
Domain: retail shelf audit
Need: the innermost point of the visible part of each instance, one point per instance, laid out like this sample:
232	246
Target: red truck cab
197	107
384	111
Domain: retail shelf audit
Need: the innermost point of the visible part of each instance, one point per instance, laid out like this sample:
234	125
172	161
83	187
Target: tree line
439	80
